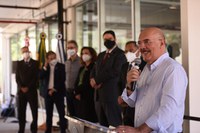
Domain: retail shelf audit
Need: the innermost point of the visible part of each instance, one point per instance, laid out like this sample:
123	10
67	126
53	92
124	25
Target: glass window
86	25
15	48
116	16
53	30
165	15
32	42
17	42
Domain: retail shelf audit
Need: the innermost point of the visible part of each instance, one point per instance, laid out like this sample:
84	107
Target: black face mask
109	44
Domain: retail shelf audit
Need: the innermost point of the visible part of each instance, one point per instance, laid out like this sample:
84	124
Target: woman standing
84	93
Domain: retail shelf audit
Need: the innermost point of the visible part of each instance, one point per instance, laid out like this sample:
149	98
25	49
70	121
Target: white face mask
86	57
26	55
70	52
130	56
53	62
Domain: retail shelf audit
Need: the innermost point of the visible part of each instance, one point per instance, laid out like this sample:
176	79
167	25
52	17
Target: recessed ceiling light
172	7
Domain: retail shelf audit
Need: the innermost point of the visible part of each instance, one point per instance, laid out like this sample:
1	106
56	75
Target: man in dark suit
27	80
104	79
53	74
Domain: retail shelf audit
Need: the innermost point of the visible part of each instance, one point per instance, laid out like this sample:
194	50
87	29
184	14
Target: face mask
86	57
130	56
70	52
109	44
26	55
53	62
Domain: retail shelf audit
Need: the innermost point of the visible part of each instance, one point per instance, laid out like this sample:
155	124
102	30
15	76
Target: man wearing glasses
159	97
72	66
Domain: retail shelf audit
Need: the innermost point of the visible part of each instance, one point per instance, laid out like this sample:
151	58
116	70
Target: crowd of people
108	88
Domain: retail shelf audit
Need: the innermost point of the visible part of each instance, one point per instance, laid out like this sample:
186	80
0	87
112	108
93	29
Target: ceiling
26	12
21	12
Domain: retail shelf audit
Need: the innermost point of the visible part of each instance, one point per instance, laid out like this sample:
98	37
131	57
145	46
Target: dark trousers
128	116
109	113
70	102
23	99
58	99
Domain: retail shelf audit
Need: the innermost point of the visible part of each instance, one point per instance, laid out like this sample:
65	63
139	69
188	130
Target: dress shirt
51	77
110	50
72	68
160	96
27	60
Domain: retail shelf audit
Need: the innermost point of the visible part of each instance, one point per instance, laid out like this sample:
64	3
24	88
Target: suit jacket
27	75
59	79
85	108
85	89
108	74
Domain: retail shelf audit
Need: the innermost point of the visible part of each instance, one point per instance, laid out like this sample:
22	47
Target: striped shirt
160	96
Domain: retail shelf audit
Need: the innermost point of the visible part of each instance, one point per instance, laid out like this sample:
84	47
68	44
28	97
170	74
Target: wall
6	67
190	25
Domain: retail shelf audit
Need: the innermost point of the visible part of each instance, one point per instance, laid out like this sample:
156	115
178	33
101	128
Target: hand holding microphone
133	74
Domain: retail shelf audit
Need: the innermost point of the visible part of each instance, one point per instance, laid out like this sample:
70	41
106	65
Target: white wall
190	25
6	67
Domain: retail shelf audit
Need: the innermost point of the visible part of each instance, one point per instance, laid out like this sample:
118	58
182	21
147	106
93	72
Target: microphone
135	64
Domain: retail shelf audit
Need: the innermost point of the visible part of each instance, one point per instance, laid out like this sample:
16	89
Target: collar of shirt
27	60
109	51
52	66
153	66
74	59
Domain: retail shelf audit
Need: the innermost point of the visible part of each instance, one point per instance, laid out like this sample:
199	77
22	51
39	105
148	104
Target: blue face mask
109	44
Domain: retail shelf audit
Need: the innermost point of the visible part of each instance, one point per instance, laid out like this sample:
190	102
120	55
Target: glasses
70	47
146	42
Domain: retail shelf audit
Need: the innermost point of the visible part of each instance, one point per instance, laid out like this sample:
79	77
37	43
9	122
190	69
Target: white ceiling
14	13
17	11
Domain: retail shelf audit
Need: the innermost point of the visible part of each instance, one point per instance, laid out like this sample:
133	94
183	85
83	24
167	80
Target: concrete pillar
190	31
6	67
136	23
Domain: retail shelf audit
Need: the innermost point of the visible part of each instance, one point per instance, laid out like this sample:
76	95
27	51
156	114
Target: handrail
103	129
186	117
90	124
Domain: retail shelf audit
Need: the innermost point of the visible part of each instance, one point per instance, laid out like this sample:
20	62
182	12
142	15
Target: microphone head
137	61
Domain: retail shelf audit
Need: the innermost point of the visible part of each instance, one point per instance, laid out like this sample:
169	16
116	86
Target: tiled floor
11	126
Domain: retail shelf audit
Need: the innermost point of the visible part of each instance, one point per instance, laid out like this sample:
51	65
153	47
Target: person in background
131	46
105	78
159	95
84	93
72	67
53	74
27	80
131	52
